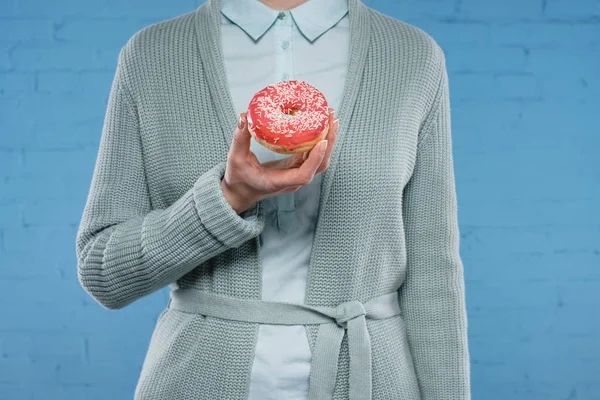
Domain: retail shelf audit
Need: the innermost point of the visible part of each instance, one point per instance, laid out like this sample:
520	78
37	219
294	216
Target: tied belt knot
334	323
347	311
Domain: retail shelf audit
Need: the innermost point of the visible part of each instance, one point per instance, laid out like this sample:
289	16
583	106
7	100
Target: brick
74	317
76	372
16	390
567	75
579	350
68	135
481	210
580	293
493	296
32	389
17	127
35	266
98	32
10	215
50	212
501	10
50	132
65	163
80	314
64	56
486	59
105	9
507	324
67	291
38	32
415	10
518	86
48	240
93	83
13	85
533	126
515	164
580	9
59	106
530	266
55	124
454	35
492	87
6	63
111	346
11	162
568	322
47	344
564	61
35	187
545	34
528	251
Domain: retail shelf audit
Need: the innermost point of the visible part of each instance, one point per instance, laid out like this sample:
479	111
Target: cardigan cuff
251	214
217	215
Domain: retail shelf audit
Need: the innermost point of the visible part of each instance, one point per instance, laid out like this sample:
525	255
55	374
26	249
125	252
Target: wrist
234	200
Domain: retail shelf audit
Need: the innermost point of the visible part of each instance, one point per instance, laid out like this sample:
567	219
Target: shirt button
285	44
281	15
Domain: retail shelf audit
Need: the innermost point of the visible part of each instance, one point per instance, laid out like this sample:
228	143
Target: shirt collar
312	18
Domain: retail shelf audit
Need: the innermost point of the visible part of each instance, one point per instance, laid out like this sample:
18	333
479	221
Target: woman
360	240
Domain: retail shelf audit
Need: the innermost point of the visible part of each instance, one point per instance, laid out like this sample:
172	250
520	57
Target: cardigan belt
348	316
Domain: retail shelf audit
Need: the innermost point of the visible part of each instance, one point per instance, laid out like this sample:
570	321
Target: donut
288	117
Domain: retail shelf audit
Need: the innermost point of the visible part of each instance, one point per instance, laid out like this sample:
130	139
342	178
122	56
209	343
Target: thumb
241	136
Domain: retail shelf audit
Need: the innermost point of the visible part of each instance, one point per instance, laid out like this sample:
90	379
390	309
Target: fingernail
336	122
323	147
240	122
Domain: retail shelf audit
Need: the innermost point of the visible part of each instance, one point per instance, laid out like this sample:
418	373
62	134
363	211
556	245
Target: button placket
284	29
285	203
284	54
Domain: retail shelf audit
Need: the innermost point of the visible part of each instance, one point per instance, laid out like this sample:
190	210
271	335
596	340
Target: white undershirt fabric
262	46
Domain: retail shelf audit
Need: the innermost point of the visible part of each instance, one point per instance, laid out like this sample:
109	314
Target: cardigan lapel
360	31
208	36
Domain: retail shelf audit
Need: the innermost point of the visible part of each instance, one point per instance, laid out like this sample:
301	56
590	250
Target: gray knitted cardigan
387	224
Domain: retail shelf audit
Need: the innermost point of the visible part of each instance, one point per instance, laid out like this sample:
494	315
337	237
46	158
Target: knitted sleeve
432	297
126	249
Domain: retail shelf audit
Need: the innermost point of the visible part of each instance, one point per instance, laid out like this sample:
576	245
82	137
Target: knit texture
156	215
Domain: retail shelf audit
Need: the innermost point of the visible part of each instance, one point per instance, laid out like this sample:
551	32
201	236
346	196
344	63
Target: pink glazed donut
288	117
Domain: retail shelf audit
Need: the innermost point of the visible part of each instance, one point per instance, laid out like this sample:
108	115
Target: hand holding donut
247	181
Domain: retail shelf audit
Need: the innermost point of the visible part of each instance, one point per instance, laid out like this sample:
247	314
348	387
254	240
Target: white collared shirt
262	46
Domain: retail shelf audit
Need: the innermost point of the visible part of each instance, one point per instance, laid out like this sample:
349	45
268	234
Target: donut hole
288	112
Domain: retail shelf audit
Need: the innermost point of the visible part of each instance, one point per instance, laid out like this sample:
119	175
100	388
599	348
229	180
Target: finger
301	175
329	132
296	160
332	134
241	137
289	162
291	189
332	138
312	162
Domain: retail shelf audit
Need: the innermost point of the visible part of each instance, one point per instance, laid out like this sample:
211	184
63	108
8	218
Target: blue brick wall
525	89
